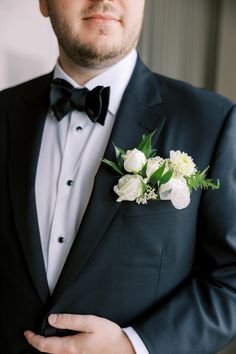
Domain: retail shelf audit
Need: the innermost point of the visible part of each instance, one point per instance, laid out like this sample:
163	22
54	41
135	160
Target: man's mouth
101	18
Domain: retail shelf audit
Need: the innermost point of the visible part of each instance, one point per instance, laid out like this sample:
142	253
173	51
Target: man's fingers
49	345
79	323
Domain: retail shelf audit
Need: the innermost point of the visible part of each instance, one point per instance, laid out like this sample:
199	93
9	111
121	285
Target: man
82	273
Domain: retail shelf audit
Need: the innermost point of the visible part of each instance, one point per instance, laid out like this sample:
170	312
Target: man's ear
43	7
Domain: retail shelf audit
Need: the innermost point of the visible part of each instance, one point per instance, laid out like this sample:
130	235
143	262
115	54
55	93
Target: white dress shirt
70	155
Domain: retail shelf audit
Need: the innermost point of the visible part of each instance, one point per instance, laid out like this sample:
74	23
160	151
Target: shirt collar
117	77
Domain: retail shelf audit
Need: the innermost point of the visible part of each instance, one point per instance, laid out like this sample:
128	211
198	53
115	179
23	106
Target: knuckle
70	348
41	345
66	319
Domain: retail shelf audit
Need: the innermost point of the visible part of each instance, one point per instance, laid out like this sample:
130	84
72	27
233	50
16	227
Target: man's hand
97	336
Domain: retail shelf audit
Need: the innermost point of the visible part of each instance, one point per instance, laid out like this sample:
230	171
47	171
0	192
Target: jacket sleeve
201	317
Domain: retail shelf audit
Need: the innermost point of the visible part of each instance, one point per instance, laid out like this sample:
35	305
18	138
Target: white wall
28	45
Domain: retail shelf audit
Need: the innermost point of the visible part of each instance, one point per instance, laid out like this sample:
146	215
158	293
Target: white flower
134	160
129	187
150	194
182	164
177	191
153	164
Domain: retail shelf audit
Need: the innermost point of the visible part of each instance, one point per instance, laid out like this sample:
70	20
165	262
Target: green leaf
156	176
144	186
119	152
198	180
146	144
113	165
143	172
166	177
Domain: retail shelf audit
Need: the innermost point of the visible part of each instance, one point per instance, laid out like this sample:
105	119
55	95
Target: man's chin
103	42
102	51
96	54
104	60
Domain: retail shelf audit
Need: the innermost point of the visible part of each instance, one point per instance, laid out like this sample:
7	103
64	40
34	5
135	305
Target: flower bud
134	160
129	187
153	164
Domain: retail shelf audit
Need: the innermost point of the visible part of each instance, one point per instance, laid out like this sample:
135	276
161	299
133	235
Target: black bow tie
64	98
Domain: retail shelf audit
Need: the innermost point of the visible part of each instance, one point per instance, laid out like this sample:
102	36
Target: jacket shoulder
12	96
191	97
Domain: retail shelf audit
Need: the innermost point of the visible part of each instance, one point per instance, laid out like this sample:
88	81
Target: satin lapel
141	112
25	132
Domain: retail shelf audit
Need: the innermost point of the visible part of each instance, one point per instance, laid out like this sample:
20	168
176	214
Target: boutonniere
146	176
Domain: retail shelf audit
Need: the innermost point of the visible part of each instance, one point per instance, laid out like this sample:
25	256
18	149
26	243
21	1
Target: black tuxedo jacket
171	274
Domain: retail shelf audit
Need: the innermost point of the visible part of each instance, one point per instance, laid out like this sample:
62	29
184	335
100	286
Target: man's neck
79	74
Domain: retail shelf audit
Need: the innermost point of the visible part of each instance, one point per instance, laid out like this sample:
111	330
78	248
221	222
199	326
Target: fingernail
52	319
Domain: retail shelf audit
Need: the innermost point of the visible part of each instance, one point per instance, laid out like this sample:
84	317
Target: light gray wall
28	45
226	54
179	39
192	40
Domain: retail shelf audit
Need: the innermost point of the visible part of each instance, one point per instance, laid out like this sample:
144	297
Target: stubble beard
87	55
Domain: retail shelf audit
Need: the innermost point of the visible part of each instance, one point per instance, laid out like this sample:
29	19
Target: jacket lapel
25	132
141	111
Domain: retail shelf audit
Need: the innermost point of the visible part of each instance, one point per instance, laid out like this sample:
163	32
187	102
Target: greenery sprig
147	176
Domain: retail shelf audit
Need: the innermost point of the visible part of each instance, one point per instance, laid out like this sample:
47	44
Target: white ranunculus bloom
182	163
177	191
129	188
134	160
153	164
